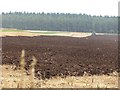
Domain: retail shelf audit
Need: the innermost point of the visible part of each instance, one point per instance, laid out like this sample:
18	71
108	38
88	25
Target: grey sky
93	7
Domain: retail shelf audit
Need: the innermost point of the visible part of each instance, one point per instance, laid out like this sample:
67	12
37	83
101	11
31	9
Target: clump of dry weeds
23	71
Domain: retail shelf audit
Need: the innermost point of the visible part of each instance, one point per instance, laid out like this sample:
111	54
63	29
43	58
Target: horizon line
56	13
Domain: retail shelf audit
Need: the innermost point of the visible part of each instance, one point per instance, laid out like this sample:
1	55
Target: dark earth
62	56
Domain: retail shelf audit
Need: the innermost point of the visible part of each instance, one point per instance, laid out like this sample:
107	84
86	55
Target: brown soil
64	55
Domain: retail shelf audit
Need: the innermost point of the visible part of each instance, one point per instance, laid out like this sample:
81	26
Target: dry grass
12	79
18	79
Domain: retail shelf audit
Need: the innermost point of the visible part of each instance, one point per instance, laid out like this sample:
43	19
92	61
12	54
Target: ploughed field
57	55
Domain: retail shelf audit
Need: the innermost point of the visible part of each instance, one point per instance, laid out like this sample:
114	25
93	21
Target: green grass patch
47	32
11	30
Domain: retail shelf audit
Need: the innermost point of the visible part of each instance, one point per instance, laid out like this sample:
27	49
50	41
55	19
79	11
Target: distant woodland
60	22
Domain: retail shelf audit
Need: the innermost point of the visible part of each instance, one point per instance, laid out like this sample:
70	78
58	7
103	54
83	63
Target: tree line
60	22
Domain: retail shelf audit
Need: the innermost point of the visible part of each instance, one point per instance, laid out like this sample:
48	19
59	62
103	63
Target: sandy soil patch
74	34
71	34
18	34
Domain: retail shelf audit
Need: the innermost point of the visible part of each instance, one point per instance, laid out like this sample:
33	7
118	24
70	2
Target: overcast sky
93	7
